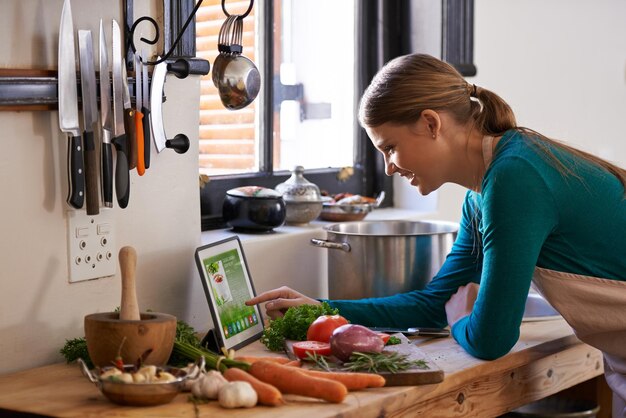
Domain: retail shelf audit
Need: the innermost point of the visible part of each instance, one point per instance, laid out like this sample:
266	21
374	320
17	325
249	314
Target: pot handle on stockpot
344	246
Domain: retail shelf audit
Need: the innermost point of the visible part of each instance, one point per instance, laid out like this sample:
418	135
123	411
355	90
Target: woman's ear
433	122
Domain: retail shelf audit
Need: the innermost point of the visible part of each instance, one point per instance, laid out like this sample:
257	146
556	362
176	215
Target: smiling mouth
409	176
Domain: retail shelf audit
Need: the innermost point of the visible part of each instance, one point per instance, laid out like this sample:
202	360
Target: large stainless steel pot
371	259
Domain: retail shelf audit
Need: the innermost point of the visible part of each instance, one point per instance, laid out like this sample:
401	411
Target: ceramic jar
302	198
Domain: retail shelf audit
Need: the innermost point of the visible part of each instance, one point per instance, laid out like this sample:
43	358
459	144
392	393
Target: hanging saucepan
236	77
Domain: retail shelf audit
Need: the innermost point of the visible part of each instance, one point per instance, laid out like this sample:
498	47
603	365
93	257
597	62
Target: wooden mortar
105	331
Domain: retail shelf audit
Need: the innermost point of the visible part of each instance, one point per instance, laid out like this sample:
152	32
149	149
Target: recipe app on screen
230	290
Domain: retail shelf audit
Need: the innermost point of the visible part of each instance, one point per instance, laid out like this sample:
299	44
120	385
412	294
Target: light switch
82	231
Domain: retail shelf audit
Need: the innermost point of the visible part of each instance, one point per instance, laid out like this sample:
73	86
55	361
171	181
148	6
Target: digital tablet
227	285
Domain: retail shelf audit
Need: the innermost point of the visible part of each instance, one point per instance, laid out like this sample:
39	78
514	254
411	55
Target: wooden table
547	359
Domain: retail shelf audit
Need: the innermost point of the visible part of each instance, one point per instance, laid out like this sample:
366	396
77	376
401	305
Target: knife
431	332
107	123
156	94
145	110
122	183
68	108
141	168
129	122
90	109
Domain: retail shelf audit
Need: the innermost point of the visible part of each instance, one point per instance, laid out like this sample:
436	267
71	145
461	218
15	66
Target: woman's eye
388	149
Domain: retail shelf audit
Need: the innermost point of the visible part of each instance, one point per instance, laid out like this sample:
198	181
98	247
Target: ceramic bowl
253	209
343	213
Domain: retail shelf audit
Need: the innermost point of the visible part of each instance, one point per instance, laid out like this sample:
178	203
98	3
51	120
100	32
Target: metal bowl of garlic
144	386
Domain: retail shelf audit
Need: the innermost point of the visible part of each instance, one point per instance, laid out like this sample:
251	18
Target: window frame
383	32
212	193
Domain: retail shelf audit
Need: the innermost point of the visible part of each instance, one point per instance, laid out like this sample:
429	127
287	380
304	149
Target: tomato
300	348
385	337
322	328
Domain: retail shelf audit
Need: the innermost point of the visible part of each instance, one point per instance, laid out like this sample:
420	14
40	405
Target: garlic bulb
208	385
237	395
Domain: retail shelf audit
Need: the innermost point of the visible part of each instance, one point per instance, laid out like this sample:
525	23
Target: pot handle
86	371
344	246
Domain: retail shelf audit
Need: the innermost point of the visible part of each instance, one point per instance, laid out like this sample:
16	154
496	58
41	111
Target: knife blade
68	108
141	168
120	141
90	110
416	331
106	153
145	110
129	122
158	83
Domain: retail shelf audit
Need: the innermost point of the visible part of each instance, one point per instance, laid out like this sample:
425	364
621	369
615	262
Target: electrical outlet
91	245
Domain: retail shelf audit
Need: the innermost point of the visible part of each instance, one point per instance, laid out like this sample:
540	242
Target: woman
536	210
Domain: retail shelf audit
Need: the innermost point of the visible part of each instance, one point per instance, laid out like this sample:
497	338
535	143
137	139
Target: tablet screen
227	285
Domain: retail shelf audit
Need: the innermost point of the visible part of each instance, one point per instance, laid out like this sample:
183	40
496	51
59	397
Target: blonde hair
409	84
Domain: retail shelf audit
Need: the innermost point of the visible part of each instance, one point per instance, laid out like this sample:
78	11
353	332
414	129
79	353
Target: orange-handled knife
141	166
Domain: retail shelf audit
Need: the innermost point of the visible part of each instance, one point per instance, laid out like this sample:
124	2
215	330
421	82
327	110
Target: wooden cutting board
409	377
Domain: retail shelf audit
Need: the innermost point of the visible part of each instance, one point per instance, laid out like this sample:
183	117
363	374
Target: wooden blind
227	138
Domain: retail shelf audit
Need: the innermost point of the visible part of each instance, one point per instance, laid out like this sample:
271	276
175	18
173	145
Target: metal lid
298	189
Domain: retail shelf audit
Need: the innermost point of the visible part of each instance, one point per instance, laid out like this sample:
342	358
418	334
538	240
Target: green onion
193	353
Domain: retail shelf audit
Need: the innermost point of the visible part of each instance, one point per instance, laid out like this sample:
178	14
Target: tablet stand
210	342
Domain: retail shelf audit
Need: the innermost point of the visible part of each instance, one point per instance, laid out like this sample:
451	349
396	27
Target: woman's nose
390	168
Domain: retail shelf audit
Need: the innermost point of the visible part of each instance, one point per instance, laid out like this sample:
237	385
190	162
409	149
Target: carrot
352	381
292	380
268	394
294	363
254	359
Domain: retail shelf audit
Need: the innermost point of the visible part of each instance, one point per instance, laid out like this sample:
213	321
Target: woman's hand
279	300
461	303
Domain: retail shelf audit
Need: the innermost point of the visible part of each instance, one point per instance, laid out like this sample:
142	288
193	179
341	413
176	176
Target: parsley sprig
294	325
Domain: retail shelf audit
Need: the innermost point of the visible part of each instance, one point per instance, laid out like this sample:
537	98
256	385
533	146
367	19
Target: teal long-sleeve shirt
527	214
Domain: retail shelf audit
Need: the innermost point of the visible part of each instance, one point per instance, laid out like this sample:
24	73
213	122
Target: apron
594	307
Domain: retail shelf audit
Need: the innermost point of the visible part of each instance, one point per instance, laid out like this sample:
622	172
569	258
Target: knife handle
146	136
91	174
131	143
107	175
122	181
76	175
141	168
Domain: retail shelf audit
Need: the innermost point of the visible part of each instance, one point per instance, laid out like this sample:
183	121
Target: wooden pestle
129	309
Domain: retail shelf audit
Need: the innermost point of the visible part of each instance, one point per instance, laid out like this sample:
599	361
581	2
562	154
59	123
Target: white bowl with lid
302	198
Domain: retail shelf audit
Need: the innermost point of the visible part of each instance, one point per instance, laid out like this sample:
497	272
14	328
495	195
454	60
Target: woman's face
412	152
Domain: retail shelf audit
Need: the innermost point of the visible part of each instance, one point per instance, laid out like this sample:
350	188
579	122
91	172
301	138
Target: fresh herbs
381	362
370	362
187	335
393	340
74	349
320	362
294	325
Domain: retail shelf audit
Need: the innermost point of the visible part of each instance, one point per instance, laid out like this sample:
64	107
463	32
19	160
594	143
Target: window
305	113
315	60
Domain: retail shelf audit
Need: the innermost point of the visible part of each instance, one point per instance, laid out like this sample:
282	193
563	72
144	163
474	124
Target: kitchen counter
547	359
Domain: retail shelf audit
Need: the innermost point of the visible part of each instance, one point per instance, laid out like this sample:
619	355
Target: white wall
39	309
561	65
